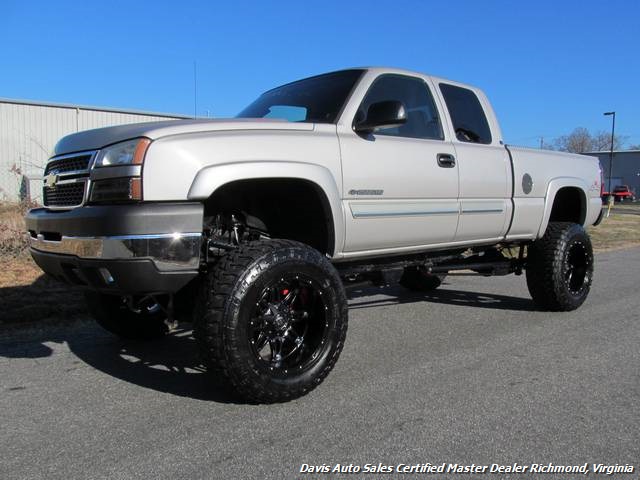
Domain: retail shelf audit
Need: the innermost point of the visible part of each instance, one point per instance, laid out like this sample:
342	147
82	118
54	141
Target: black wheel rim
289	326
577	265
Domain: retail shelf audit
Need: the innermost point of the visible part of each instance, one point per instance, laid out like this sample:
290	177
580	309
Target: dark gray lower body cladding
112	220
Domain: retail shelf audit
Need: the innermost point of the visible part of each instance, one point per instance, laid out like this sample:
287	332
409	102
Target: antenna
195	90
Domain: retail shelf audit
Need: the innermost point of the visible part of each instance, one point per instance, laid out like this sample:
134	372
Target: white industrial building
30	130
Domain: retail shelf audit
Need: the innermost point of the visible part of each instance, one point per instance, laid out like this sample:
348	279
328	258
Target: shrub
14	241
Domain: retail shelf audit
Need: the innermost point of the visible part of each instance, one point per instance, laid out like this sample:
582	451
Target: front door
400	184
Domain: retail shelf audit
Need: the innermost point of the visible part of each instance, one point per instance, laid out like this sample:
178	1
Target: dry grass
18	272
13	239
26	294
620	230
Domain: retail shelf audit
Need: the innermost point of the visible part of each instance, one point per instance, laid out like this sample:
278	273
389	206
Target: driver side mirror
387	114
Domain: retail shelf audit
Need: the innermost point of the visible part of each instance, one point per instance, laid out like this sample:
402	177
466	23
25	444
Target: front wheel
271	320
560	267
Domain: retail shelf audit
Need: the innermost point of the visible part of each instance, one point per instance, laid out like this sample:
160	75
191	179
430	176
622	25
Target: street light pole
613	129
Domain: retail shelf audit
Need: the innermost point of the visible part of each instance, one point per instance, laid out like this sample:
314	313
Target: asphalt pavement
470	374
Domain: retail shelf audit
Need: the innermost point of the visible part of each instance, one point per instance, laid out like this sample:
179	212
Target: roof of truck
381	70
403	71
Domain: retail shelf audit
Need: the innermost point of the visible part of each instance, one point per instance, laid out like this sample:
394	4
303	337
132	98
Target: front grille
70	164
66	180
66	195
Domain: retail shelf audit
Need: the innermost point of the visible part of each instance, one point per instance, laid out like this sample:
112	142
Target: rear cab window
469	120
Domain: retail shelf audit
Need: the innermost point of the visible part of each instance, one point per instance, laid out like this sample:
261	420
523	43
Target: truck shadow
43	298
395	295
171	365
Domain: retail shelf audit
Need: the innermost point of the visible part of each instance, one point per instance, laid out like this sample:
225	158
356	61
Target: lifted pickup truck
252	227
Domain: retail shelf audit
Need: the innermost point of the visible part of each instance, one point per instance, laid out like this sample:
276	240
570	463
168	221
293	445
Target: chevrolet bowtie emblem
50	180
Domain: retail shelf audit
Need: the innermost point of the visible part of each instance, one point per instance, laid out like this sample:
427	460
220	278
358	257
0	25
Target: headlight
130	152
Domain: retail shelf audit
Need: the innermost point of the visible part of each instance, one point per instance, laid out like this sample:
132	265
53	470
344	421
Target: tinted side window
422	115
467	115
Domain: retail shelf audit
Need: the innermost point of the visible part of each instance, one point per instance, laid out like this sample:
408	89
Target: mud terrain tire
271	320
560	267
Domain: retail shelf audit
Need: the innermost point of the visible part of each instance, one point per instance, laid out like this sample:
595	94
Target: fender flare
552	189
211	178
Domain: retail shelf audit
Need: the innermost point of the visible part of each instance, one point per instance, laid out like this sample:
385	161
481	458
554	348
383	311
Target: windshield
317	99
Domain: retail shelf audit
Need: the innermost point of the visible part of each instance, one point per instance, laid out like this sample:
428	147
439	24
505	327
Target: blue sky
547	66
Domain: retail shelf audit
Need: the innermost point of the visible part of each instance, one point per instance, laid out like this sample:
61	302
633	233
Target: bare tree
578	141
601	141
581	140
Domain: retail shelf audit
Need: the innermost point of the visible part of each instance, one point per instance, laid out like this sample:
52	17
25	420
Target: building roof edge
72	106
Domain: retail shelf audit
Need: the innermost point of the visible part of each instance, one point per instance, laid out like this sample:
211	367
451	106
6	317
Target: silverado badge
50	180
366	192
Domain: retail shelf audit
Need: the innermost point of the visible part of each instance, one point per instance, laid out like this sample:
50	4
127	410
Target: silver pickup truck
252	228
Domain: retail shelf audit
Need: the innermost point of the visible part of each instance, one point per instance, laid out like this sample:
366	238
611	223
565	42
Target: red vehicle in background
621	193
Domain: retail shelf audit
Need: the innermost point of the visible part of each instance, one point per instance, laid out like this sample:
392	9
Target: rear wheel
141	318
560	267
271	320
418	279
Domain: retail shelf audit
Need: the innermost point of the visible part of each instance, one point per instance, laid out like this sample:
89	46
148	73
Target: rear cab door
483	162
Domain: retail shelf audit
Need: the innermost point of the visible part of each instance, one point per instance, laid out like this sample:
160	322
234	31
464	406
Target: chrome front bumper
168	252
120	249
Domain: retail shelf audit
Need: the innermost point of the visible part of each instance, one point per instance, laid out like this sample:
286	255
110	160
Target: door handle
446	160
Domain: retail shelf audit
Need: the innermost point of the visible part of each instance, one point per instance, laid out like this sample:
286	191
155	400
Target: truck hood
100	137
